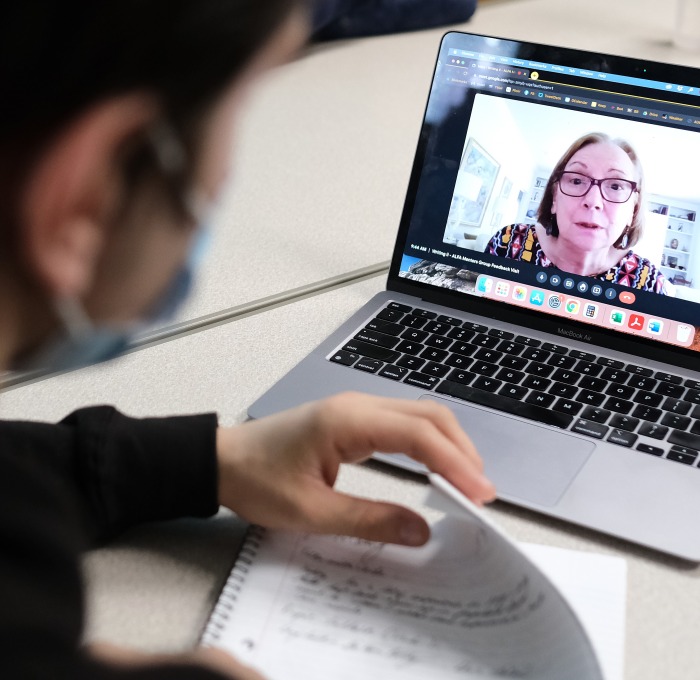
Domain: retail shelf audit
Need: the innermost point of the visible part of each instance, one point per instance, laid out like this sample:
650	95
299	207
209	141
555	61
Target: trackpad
525	461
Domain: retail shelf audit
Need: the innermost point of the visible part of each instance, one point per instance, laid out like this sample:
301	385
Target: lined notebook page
463	606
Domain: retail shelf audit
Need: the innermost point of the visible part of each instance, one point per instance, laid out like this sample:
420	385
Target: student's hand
279	471
207	657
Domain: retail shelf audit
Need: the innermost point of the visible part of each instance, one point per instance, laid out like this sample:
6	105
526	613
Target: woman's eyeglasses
612	189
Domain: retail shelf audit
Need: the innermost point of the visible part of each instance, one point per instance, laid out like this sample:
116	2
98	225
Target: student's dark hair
57	58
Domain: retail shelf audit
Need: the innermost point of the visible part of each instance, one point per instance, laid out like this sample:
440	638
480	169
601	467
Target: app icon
627	298
502	289
537	298
582	287
597	290
519	293
541	277
655	326
572	306
568	284
555	279
484	284
617	317
683	331
554	301
610	293
636	322
590	311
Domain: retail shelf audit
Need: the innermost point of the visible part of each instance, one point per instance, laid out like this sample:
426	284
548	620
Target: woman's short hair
636	227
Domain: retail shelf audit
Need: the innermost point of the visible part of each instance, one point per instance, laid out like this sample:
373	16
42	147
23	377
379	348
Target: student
115	122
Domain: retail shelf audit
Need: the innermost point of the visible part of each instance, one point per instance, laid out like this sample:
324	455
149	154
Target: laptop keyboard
632	406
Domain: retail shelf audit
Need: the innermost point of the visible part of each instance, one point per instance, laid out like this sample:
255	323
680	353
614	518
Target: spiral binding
223	609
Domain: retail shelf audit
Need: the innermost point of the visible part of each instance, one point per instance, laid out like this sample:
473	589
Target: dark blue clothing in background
334	19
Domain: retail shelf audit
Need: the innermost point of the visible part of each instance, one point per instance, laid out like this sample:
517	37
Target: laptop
579	386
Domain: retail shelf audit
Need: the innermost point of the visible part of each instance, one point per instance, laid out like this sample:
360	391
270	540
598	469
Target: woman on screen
590	218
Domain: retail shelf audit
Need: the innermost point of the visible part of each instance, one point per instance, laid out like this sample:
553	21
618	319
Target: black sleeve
41	597
125	471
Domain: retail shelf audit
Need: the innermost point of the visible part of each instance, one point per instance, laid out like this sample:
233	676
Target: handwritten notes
466	605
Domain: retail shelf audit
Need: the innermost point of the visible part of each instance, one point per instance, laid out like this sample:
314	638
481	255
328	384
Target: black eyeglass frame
596	182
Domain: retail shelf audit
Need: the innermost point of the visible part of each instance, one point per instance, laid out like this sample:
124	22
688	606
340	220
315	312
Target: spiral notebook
469	604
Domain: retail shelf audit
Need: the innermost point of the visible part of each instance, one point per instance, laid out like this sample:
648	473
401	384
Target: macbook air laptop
545	285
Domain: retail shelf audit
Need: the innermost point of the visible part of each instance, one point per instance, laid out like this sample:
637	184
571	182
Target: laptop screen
563	183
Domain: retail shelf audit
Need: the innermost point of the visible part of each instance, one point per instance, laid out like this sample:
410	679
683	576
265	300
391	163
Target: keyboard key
476	327
670	390
460	334
501	403
686	458
345	358
693	396
458	361
536	383
563	390
371	351
551	347
414	335
439	341
563	375
621	391
368	365
503	335
513	391
622	438
410	347
433	354
584	356
510	347
647	413
484	368
591	398
678	406
465	348
623	422
452	320
590	428
400	307
425	313
488	384
490	355
692	441
538	369
386	327
652	450
596	415
612	363
685	450
391	315
642	383
676	421
431	368
567	406
647	398
653	430
510	376
595	384
516	363
421	380
374	338
462	377
618	405
413	321
437	327
668	377
692	384
407	361
695	428
615	375
536	354
587	368
482	340
530	342
639	370
561	361
393	372
540	399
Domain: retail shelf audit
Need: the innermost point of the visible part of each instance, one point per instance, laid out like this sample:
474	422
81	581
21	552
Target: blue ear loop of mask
83	342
